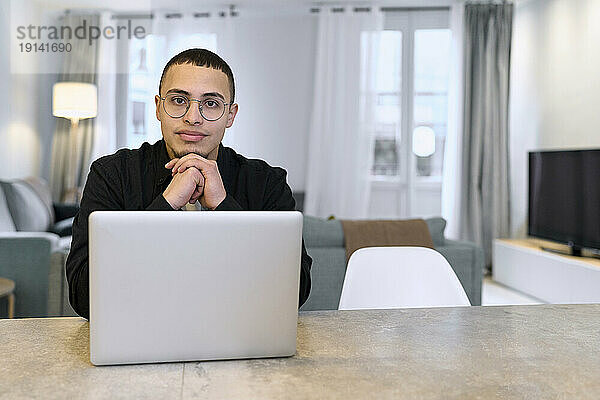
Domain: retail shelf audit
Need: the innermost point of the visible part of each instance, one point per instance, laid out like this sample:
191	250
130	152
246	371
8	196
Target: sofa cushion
327	275
29	212
467	261
6	221
41	188
318	232
437	226
359	234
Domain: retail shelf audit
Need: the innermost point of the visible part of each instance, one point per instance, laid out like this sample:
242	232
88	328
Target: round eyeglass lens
212	108
176	105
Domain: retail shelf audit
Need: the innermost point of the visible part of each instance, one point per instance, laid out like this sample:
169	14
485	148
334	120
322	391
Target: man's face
192	133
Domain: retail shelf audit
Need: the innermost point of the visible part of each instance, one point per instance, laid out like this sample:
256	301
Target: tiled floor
495	294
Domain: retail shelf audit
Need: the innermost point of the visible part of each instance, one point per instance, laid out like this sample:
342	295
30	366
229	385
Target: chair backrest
400	277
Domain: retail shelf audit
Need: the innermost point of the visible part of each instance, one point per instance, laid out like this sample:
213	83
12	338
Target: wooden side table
7	288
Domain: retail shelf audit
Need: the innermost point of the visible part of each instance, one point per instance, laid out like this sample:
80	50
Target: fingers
183	187
171	163
196	196
194	160
179	161
207	169
209	187
197	193
196	175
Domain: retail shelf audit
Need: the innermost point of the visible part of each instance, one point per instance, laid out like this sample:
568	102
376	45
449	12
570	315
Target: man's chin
183	153
192	149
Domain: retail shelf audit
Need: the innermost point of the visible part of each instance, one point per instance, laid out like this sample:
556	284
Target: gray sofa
34	240
324	240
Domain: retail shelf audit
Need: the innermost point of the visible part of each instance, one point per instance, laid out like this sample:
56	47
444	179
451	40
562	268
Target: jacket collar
162	157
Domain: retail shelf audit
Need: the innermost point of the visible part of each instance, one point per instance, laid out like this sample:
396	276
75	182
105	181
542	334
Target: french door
412	97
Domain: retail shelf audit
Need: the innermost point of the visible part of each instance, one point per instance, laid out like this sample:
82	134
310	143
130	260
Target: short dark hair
201	58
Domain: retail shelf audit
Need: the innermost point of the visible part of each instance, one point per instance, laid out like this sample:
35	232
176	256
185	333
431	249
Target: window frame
407	183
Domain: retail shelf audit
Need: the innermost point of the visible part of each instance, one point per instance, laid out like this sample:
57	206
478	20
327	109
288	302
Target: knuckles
195	173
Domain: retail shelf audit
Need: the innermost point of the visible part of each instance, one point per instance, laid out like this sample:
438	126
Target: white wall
26	121
5	158
555	86
273	67
19	140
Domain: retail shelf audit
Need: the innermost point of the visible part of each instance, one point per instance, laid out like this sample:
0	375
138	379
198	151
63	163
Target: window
432	55
411	117
388	83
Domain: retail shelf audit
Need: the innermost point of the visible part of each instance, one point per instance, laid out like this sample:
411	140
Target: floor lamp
74	101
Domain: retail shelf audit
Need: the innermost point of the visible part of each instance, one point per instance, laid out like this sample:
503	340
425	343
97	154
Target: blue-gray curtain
485	208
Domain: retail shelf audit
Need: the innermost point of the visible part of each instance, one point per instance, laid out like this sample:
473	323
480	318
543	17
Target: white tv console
521	264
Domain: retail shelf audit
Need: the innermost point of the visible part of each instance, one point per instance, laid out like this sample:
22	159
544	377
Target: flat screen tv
564	197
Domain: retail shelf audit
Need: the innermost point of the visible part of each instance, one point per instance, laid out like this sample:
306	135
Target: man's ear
157	103
233	109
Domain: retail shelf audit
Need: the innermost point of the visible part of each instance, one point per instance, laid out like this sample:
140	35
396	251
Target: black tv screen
564	197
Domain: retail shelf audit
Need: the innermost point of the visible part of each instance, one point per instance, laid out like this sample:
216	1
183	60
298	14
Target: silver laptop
187	286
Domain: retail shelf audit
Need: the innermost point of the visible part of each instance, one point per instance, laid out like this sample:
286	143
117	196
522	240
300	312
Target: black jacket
136	179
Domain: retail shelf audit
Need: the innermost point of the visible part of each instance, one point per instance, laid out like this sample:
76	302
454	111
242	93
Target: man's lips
191	136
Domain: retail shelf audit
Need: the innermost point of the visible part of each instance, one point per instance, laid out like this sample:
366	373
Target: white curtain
210	28
105	137
451	182
340	138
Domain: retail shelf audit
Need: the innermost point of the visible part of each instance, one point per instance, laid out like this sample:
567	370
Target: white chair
400	277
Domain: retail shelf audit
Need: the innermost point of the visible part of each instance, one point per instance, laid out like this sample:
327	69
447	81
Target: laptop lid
184	286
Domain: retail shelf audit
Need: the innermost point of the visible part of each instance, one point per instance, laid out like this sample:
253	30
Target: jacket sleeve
103	191
229	204
278	197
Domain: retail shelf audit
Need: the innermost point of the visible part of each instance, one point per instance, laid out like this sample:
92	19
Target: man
189	169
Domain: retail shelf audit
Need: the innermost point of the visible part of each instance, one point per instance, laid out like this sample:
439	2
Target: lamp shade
423	141
74	100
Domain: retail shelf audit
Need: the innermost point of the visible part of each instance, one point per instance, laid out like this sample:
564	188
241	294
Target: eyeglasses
177	105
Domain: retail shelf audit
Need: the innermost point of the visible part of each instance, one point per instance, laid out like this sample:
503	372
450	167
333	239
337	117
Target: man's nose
193	116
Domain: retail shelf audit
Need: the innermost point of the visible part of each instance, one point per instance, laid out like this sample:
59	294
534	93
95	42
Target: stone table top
515	352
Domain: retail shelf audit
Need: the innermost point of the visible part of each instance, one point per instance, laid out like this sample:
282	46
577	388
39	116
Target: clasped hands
194	178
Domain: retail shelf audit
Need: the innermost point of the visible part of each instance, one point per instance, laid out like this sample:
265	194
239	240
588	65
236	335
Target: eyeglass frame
189	105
